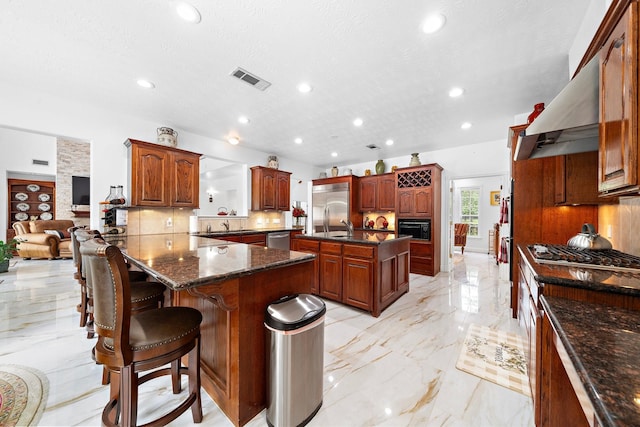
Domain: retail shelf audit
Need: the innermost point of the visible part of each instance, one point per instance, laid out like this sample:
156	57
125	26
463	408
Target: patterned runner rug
23	395
495	356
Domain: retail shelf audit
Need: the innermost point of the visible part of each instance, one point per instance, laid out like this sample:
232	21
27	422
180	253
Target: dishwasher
278	240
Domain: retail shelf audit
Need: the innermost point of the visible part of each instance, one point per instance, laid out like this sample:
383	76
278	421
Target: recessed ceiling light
389	142
334	154
304	88
456	92
358	122
465	125
243	119
146	84
233	140
298	140
188	12
433	23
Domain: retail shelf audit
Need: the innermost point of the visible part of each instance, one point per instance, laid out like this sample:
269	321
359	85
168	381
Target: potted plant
6	253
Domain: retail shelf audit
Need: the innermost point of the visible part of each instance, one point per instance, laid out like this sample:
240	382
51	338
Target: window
469	208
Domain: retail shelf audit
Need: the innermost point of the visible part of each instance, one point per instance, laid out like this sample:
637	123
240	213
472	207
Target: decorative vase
367	172
167	136
537	109
415	160
334	171
272	162
380	167
4	266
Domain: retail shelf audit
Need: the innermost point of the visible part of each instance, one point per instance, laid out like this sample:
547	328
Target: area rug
495	356
23	395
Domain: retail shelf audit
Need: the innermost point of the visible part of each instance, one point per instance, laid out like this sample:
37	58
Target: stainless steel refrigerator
330	206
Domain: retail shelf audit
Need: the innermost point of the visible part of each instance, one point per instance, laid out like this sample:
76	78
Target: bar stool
130	343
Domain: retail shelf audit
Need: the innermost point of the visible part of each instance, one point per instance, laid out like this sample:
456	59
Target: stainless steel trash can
295	359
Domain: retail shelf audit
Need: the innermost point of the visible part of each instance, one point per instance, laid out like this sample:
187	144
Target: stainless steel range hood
569	124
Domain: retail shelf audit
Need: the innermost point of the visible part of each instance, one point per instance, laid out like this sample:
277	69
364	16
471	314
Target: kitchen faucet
349	225
226	225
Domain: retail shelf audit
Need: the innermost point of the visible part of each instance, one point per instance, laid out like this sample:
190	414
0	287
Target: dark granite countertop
359	236
219	233
182	261
585	278
603	343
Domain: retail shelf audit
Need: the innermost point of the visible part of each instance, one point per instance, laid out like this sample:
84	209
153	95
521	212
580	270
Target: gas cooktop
603	259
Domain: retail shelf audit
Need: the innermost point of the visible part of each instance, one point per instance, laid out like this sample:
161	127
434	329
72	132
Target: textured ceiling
365	58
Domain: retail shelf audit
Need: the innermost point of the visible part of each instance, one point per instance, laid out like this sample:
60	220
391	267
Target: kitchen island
231	284
368	270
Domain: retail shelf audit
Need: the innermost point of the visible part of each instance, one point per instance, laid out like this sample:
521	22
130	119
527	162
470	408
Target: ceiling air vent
372	147
251	79
41	162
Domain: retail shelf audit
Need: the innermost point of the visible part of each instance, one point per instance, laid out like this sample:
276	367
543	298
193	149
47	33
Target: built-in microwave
416	228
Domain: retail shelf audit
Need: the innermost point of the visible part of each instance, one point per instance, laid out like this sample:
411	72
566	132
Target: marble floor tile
395	370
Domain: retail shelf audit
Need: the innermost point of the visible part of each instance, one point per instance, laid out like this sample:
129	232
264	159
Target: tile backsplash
619	224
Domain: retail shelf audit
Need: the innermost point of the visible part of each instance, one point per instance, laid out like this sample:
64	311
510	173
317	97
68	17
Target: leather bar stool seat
132	343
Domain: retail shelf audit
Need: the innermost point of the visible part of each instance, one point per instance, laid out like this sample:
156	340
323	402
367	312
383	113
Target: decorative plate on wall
33	187
44	197
44	207
21	196
22	216
22	207
46	216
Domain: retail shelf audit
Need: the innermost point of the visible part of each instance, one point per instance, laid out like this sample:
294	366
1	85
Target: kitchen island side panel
233	346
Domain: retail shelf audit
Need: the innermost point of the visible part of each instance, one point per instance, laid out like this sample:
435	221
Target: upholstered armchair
44	238
460	235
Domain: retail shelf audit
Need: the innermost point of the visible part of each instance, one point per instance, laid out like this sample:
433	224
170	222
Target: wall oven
416	228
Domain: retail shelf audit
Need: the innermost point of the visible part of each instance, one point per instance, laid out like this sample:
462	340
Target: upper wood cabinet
270	189
377	193
418	191
576	179
162	176
618	163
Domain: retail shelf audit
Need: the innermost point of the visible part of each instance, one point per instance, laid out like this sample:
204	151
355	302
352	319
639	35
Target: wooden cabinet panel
618	151
423	203
150	170
405	202
162	176
357	282
357	251
310	247
259	239
368	193
270	189
387	192
377	193
576	179
185	182
331	276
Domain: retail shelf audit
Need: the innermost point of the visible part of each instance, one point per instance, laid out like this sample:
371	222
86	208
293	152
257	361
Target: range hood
569	124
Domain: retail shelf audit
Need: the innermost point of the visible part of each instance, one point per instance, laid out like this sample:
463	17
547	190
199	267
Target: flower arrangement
298	212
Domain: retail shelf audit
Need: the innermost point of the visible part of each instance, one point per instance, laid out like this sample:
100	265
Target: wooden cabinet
419	196
561	405
618	150
310	247
529	317
28	200
377	193
162	176
576	180
331	270
357	275
270	189
370	277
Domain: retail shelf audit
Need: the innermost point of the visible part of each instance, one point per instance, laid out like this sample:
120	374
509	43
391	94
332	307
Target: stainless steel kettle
589	239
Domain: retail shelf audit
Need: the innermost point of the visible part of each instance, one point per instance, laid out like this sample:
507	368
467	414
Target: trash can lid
294	311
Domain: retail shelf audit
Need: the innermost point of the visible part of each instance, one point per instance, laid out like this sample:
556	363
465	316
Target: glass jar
112	194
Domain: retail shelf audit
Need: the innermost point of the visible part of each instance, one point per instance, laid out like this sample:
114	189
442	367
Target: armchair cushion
35	242
62	234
